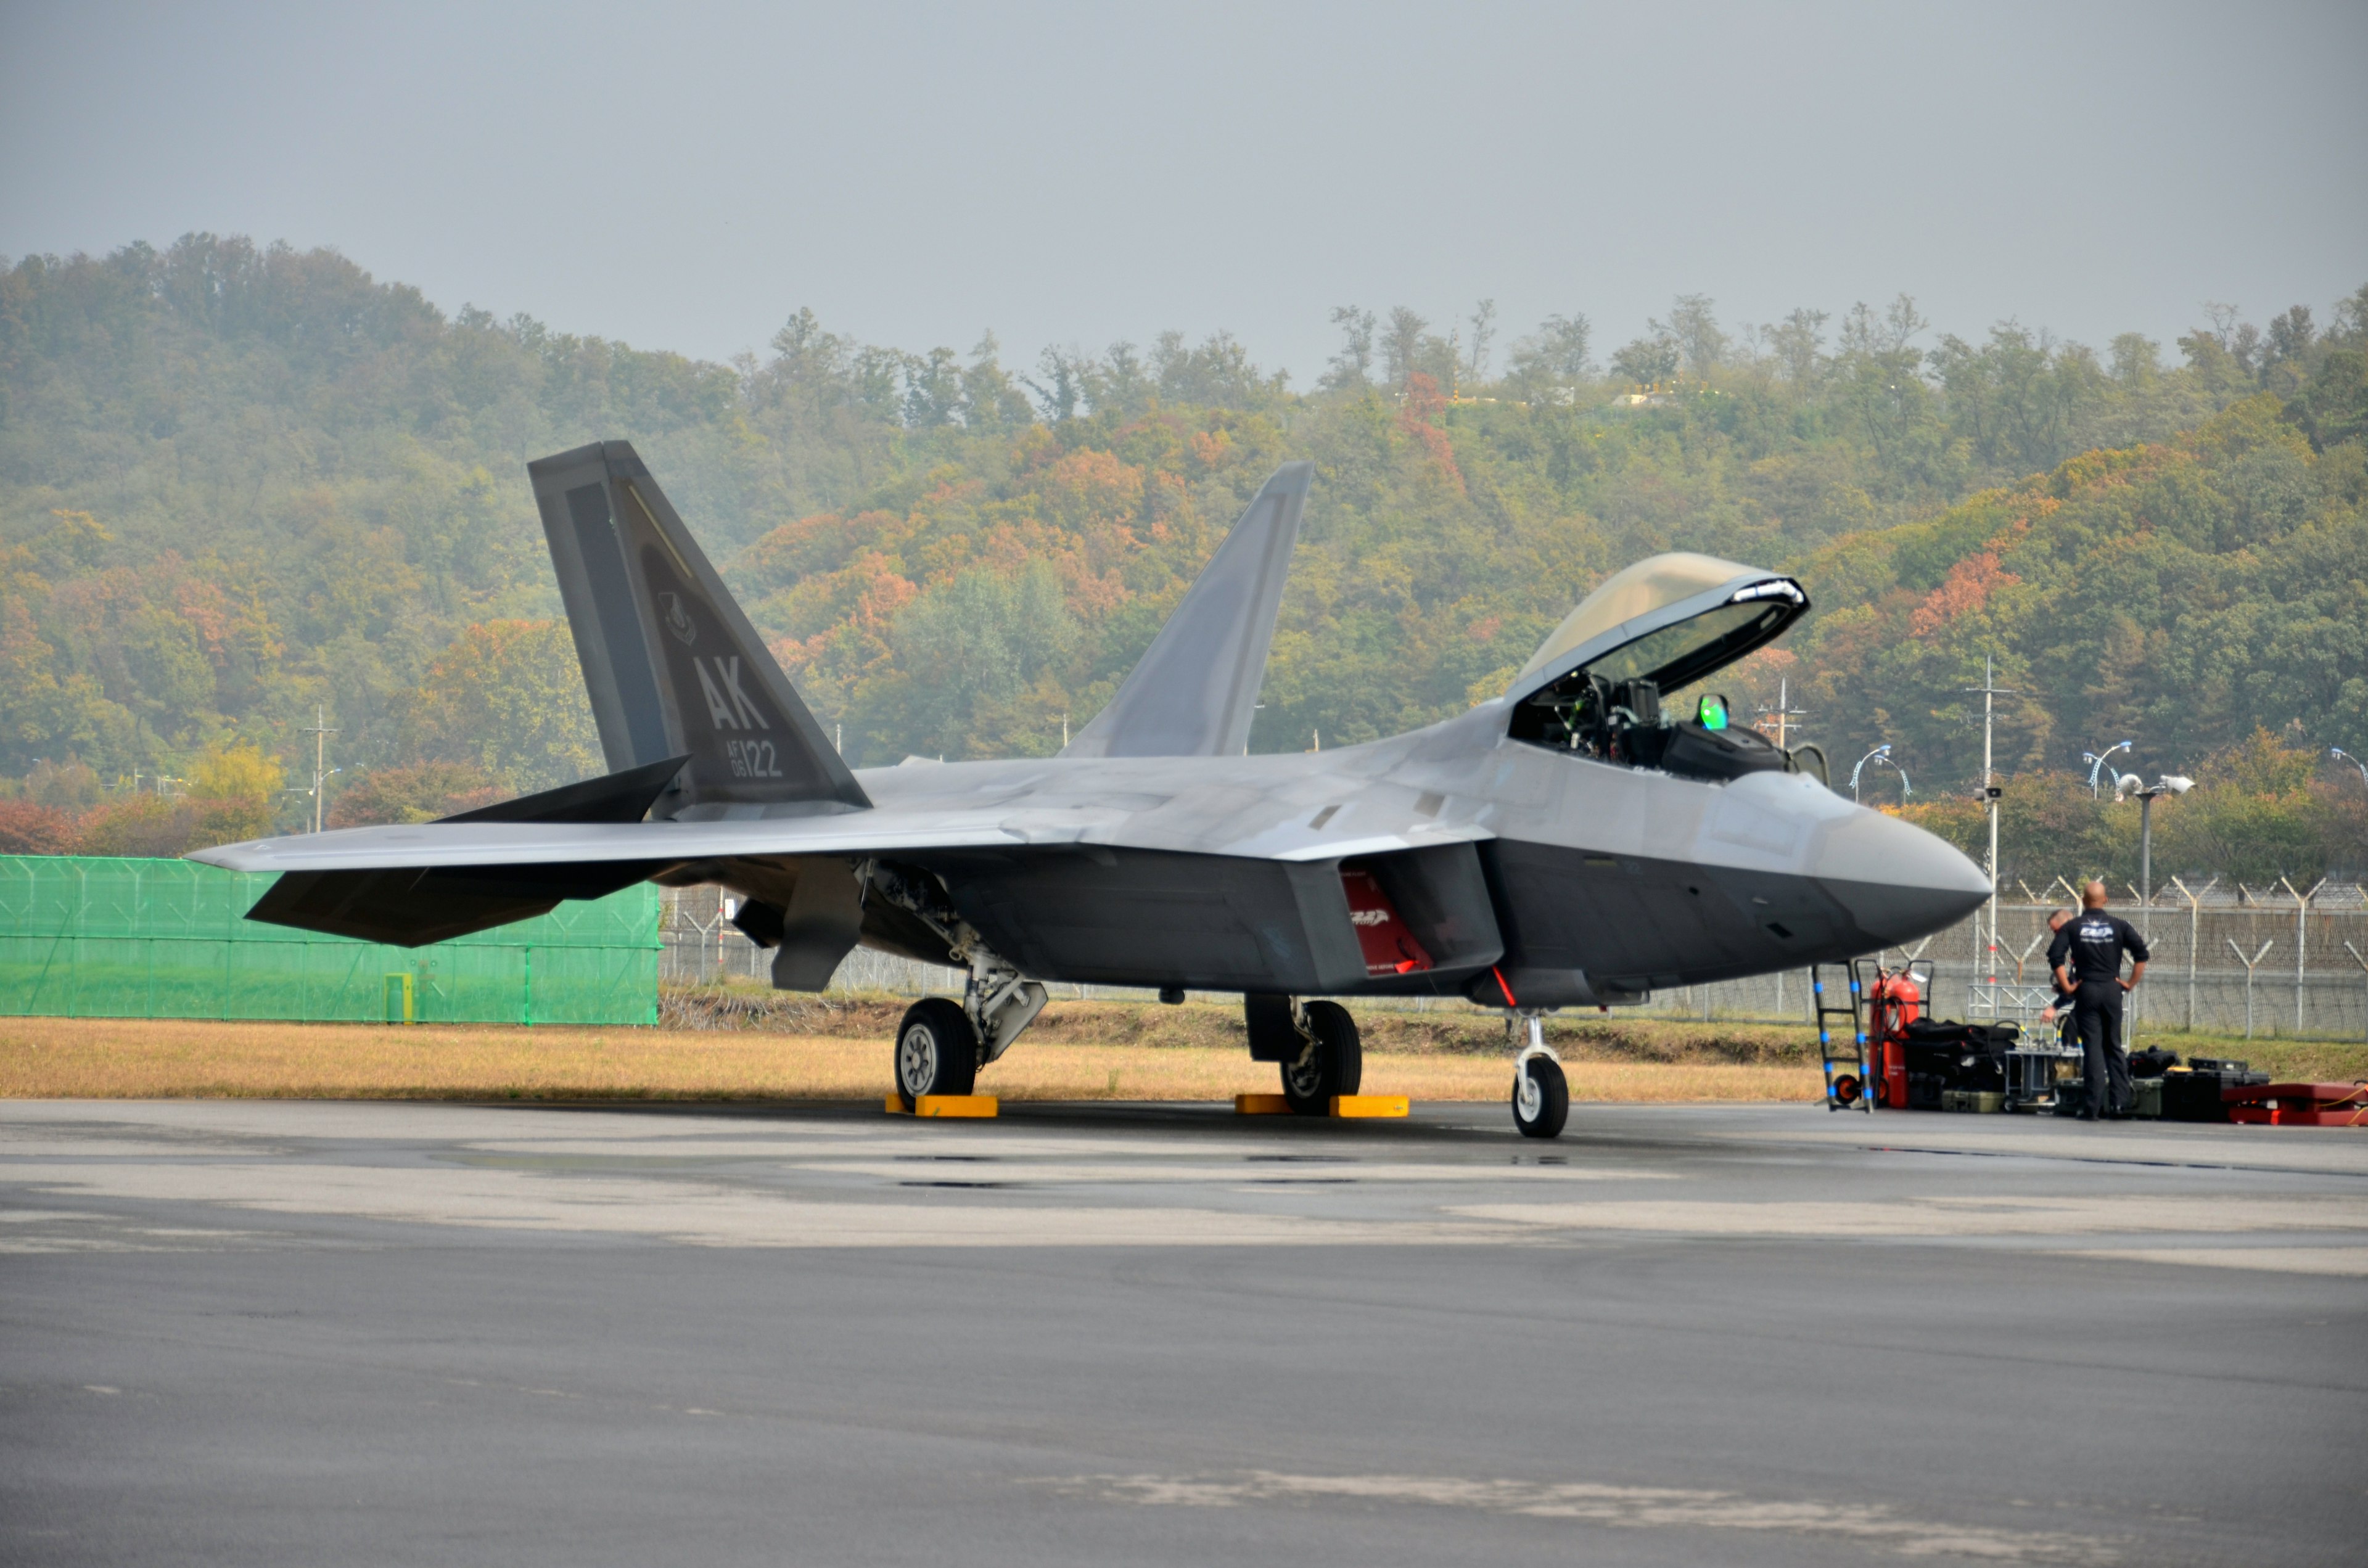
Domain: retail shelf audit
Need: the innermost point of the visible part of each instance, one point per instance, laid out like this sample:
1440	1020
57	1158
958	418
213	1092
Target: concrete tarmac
259	1333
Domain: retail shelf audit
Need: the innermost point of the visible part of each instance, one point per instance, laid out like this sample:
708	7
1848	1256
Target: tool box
1963	1056
2200	1093
2297	1105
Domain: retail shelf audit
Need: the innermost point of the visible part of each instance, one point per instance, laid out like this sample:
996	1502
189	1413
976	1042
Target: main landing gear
1331	1060
942	1043
1314	1043
937	1051
1541	1093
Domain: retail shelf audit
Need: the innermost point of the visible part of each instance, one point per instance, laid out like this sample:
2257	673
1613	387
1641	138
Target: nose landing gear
1540	1092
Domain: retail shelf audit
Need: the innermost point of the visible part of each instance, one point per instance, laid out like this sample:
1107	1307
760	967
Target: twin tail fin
1195	690
672	665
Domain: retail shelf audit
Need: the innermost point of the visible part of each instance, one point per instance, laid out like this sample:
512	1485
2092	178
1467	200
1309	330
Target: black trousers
2107	1065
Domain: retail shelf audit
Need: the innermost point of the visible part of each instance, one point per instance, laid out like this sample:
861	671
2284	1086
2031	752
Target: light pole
2363	766
1881	756
1991	691
2095	761
2169	784
320	731
1783	713
1883	750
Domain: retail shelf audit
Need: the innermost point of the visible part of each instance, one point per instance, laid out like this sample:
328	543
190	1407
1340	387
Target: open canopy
1668	618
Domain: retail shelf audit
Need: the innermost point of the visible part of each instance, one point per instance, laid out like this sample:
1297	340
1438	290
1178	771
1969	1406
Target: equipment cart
2037	1075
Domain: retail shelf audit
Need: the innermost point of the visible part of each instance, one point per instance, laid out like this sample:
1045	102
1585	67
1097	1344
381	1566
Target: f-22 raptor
1574	841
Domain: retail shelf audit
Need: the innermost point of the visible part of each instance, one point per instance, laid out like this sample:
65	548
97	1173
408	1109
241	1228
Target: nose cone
1897	881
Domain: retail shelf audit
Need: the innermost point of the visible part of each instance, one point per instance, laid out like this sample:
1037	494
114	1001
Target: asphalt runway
257	1333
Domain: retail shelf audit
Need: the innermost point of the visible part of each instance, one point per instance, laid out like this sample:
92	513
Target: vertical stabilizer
673	668
1195	689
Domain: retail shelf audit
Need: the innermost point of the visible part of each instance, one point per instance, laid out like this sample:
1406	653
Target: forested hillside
236	484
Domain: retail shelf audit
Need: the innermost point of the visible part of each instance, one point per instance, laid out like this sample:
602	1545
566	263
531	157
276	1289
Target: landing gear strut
942	1044
1541	1093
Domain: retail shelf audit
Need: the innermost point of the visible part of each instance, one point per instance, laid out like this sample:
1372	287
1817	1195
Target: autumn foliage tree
507	697
418	793
243	485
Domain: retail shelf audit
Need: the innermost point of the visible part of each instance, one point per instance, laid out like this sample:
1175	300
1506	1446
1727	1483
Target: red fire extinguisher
1893	1001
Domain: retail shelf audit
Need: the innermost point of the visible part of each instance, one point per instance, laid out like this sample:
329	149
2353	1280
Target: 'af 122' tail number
729	708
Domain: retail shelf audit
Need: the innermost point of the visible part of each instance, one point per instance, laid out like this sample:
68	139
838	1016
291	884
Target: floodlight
2177	784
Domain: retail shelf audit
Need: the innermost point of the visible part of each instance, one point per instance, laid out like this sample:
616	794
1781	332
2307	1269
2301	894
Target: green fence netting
83	937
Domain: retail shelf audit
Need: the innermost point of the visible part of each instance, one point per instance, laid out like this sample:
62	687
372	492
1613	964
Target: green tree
507	696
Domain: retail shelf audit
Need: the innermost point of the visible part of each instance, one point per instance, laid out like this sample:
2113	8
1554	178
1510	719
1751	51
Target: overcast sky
687	177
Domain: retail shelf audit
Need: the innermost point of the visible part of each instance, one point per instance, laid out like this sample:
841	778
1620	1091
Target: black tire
937	1051
1541	1112
1335	1065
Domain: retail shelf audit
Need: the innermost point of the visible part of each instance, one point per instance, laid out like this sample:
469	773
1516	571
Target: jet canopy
1595	687
1670	620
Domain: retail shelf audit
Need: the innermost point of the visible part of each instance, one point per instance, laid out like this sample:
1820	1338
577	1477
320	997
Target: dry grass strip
108	1058
1451	1030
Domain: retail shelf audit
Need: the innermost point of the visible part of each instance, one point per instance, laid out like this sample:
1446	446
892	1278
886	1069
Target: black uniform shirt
2095	943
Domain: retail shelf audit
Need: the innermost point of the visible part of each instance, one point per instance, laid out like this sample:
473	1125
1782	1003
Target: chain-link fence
2231	959
2279	961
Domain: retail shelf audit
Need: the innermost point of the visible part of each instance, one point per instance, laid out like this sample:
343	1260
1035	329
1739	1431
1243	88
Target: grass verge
740	1044
106	1059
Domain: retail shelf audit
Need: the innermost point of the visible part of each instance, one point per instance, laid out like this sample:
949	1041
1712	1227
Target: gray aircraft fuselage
1602	880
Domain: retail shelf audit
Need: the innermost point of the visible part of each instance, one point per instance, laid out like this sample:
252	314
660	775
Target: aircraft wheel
1335	1066
937	1051
1540	1098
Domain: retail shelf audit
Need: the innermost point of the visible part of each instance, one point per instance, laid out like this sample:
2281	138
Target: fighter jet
1575	841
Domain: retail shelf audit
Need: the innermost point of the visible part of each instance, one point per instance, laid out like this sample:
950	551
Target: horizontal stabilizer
671	665
1195	690
616	797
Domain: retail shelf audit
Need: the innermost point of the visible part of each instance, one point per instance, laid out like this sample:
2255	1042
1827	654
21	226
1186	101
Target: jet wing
430	845
441	845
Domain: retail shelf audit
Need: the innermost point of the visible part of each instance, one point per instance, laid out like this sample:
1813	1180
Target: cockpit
1598	686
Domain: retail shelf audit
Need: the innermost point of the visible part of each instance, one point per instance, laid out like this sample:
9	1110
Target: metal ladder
1846	1083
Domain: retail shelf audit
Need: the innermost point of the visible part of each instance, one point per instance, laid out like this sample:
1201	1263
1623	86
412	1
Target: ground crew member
2061	1011
2087	958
